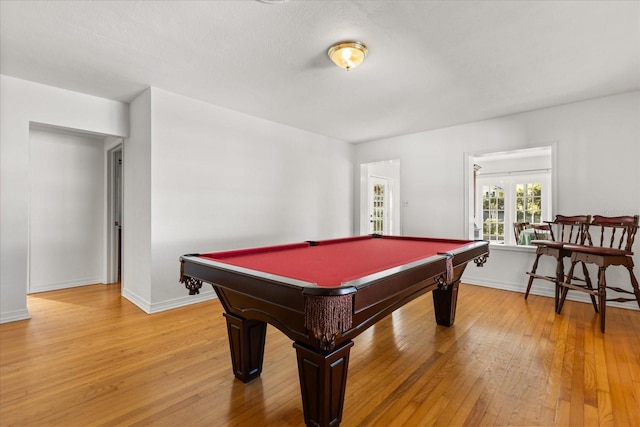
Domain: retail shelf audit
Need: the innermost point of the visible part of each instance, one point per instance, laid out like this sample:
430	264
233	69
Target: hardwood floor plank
507	347
576	416
90	357
605	407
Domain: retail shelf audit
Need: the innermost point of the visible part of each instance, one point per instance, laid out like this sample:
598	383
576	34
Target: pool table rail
321	320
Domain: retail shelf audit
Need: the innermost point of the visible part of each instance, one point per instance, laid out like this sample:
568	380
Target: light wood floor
89	357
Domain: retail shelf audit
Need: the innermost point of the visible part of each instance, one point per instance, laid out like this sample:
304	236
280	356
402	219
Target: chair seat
548	243
597	250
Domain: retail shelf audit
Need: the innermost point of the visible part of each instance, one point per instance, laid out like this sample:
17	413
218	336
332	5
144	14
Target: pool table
322	294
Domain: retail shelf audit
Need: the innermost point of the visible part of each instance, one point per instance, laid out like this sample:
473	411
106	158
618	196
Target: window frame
471	202
509	182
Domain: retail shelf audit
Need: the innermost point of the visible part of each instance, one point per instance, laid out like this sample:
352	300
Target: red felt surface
333	262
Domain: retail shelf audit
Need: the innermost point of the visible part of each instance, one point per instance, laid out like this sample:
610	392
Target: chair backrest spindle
617	232
569	229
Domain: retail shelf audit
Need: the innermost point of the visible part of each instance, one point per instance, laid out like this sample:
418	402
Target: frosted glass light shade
347	55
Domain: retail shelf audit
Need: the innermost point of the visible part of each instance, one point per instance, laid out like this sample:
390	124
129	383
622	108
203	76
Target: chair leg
634	281
587	278
589	285
602	295
564	289
533	271
559	279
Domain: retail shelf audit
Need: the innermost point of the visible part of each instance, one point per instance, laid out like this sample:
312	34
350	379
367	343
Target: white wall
22	102
66	210
136	205
598	153
220	180
201	178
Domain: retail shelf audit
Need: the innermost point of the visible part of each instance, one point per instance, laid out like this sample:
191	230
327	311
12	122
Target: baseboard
136	300
157	307
14	316
544	289
182	301
65	285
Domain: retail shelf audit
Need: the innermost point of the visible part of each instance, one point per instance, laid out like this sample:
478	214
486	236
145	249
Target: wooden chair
517	229
616	236
541	231
563	230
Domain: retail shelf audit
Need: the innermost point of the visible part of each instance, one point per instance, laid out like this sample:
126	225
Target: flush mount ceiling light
347	55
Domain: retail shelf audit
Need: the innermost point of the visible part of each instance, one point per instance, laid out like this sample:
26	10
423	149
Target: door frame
387	169
114	208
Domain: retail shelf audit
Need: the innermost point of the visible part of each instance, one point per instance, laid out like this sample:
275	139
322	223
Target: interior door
378	205
117	211
114	220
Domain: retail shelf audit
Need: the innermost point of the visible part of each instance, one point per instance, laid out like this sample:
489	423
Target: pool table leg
323	380
444	304
246	342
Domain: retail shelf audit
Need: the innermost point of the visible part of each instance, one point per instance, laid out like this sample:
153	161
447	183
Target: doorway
66	208
114	213
379	198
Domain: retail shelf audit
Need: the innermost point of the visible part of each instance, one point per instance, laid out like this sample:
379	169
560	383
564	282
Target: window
493	213
529	202
510	187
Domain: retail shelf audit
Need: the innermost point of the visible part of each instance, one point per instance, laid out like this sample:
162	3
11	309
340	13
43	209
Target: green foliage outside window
529	203
493	213
528	199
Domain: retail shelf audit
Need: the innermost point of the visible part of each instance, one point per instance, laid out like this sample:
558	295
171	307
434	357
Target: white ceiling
431	64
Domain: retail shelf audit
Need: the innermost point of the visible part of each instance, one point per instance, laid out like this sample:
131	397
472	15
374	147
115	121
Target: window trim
469	159
509	181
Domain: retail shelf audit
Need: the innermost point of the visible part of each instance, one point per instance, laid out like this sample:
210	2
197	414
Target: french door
378	205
